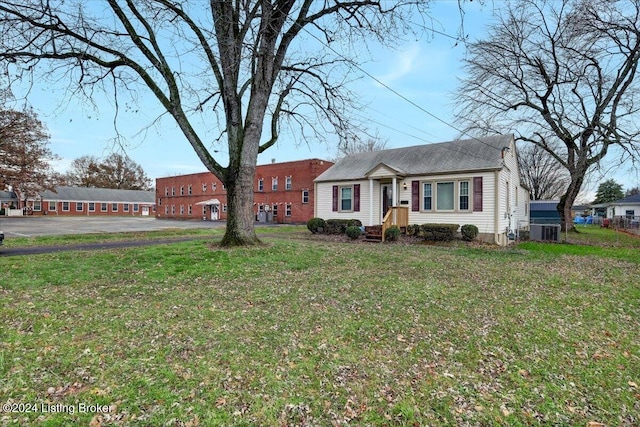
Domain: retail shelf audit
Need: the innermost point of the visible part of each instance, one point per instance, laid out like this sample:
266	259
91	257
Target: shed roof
99	195
444	157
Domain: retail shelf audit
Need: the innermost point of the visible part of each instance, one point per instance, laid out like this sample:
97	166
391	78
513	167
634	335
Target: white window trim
340	198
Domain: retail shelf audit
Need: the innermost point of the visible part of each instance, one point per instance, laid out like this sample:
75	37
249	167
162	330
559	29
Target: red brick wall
175	200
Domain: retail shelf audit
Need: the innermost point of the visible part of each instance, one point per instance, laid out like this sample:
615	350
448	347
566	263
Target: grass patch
176	233
301	332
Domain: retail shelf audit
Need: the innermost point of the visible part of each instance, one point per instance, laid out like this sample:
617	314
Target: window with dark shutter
415	196
477	194
356	197
334	206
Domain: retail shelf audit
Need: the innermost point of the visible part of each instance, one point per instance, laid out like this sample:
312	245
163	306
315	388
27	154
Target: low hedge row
431	232
332	226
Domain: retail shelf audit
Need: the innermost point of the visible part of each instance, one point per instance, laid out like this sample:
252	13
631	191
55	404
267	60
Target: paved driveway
50	225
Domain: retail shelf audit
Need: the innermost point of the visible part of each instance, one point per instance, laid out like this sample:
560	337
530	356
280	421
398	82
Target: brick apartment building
283	193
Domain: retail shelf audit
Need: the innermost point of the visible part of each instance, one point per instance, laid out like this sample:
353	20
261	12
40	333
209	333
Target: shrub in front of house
339	226
439	232
316	225
413	230
469	232
353	231
392	233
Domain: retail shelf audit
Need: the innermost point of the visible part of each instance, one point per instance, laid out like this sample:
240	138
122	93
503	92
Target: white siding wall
483	220
516	214
324	201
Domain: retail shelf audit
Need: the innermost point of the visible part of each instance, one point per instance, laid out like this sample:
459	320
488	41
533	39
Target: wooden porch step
373	233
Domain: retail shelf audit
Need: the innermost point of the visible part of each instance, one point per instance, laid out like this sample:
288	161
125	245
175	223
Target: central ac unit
545	232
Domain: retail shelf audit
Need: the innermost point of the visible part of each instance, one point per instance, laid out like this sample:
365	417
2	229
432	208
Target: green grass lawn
304	332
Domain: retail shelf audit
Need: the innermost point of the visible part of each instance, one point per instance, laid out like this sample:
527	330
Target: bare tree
359	145
115	171
24	154
235	65
562	75
545	176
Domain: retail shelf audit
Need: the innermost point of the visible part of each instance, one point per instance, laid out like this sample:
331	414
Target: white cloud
402	64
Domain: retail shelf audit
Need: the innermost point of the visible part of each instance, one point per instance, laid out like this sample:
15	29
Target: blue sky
423	71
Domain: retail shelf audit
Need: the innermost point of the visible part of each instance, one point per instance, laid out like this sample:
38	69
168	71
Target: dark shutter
334	207
415	196
356	197
477	194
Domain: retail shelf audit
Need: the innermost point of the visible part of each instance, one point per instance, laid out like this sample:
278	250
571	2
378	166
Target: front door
387	199
214	212
145	211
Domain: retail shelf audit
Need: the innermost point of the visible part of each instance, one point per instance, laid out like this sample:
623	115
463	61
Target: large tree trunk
240	214
567	200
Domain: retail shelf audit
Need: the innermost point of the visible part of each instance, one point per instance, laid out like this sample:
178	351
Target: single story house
473	181
629	207
77	201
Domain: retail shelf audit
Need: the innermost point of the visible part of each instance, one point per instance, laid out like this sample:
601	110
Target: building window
173	209
189	210
305	196
65	206
214	186
224	207
287	209
37	205
427	196
204	187
173	191
136	207
125	207
103	207
204	210
166	210
261	184
92	207
79	206
287	183
160	201
260	207
182	190
114	207
189	190
274	209
181	209
274	184
444	196
464	196
52	206
629	213
346	199
166	191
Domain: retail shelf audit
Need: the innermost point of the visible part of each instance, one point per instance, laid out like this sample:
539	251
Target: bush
439	232
353	231
469	232
339	226
413	230
316	225
392	233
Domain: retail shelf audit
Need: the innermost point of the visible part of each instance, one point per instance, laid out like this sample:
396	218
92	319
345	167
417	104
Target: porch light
404	185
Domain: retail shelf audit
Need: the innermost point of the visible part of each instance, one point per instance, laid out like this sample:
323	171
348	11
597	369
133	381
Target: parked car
1	237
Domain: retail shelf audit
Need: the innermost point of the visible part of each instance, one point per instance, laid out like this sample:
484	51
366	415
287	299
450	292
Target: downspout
394	200
496	225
